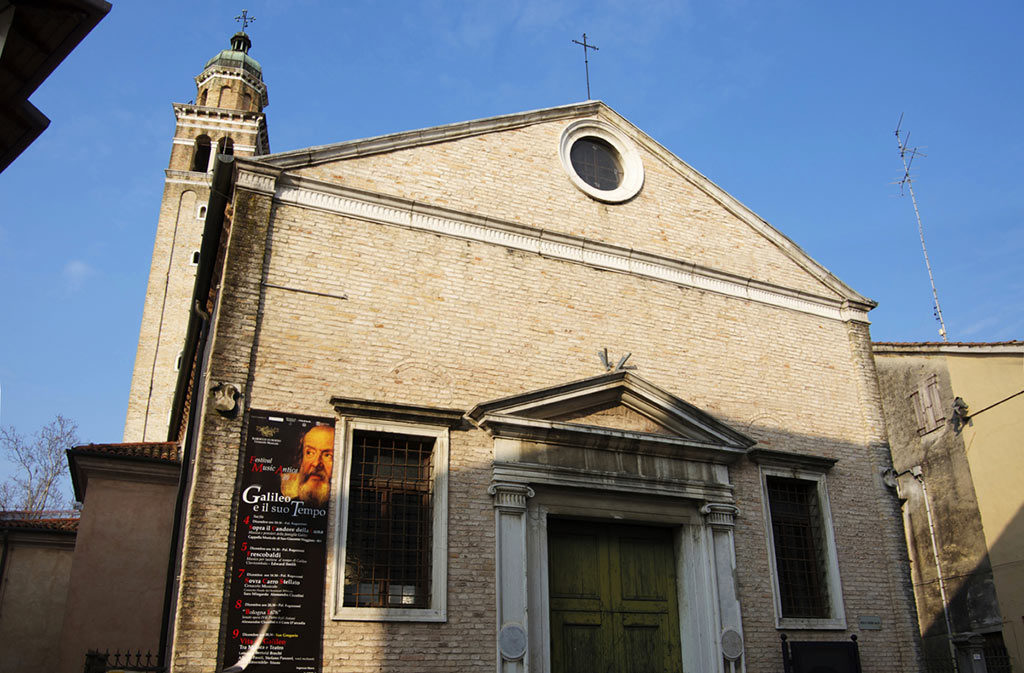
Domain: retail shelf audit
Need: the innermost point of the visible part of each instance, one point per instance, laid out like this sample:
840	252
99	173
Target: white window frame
837	613
437	610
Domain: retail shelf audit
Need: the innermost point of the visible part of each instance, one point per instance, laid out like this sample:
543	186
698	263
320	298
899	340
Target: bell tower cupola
227	115
233	79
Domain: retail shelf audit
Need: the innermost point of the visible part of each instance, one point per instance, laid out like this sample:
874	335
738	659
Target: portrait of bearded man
311	483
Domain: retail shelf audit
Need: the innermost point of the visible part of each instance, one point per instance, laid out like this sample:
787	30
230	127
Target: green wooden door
612	592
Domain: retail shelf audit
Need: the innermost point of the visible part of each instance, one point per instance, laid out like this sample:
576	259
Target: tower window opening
247	101
201	154
225	146
195	257
222	99
202	213
202	97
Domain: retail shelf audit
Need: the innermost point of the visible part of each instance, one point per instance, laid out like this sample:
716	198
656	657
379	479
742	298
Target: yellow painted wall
994	442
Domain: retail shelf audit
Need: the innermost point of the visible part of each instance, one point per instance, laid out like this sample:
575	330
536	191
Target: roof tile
66	523
164	451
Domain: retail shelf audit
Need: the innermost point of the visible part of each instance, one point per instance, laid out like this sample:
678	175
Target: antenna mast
907	154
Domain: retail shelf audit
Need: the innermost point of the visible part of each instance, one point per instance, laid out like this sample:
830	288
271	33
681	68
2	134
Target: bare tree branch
41	481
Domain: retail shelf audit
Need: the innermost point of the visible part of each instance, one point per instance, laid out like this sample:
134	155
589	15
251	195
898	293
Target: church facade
526	393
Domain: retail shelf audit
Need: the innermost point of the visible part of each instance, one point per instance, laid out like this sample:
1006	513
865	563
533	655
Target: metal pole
920	229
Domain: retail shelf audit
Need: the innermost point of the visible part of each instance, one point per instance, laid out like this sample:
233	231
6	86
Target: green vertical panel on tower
612	598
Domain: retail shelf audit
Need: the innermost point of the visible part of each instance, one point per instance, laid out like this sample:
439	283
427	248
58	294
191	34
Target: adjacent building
955	416
35	569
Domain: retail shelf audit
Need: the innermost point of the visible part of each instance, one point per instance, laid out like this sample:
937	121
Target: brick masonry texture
172	275
165	316
437	321
518	176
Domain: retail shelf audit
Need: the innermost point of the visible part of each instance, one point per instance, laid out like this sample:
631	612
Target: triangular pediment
616	416
615	410
504	152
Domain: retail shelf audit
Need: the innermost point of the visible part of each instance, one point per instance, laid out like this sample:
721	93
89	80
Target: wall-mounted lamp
960	416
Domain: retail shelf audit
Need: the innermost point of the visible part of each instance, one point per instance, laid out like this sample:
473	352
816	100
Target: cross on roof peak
245	19
586	61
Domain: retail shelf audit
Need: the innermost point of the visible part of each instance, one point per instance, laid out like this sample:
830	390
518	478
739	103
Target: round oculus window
601	161
596	162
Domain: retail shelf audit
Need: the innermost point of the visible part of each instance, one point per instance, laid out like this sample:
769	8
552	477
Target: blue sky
789	106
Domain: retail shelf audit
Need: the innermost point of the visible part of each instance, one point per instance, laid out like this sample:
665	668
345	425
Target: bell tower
227	118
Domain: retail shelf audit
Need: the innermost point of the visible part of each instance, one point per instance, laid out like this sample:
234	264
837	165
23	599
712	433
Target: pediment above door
618	412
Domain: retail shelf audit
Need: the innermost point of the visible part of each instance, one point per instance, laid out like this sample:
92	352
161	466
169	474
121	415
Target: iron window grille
390	519
800	547
997	657
595	162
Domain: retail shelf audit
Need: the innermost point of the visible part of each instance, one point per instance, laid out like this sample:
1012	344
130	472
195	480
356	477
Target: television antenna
908	154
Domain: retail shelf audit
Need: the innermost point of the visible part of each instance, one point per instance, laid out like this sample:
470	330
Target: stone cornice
120	468
434	134
960	348
197	178
357	408
567	477
226	72
256	177
607	439
34	537
679	417
227	115
382	209
595	109
745	214
789	459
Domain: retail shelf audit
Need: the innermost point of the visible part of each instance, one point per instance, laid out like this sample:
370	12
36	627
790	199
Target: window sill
388	615
810	624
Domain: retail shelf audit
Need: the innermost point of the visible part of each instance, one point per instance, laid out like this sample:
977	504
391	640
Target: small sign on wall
870	623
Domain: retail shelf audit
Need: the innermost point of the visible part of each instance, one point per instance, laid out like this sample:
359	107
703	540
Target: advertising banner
276	596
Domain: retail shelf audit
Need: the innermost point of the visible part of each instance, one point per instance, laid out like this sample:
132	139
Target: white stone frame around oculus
628	159
437	610
837	613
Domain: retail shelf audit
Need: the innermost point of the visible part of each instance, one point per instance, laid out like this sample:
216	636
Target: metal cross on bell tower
586	61
245	19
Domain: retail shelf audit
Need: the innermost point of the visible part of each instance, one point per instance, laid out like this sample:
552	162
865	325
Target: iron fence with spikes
102	662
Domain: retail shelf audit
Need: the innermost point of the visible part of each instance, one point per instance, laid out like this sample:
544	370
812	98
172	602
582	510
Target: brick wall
439	321
172	275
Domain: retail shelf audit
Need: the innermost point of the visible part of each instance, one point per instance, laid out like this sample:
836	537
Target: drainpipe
918	474
194	375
